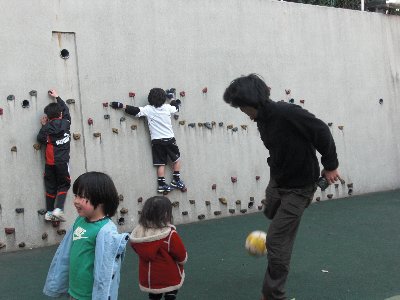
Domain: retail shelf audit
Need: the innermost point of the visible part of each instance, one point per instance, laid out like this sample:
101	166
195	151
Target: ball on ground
256	243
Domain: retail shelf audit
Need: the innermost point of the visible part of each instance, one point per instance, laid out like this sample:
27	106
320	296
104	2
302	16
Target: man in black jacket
55	134
292	135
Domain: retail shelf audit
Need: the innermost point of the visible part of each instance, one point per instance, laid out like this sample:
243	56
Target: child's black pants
57	183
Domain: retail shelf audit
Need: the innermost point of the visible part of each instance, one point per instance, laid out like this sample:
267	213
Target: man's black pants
57	183
285	207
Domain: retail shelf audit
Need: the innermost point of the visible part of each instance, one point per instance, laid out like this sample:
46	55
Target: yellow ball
255	243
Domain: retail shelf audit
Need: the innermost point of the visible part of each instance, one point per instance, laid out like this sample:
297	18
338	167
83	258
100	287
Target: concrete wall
341	62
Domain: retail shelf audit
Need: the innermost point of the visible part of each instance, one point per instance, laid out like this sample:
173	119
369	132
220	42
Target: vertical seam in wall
80	104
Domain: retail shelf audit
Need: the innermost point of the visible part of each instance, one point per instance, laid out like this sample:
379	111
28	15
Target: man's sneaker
177	184
48	216
58	214
164	188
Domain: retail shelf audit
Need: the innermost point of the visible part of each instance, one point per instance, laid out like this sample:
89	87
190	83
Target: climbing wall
339	64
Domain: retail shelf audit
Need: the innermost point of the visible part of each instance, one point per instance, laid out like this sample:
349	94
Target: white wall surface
341	62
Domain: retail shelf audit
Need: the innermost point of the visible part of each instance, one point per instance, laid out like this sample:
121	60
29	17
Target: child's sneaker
48	216
58	214
164	188
177	184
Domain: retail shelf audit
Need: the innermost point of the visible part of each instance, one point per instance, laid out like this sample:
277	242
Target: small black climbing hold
350	192
61	231
33	93
14	149
250	205
235	129
381	101
201	217
231	210
176	117
122	119
19	210
217	212
121	221
291	100
207	125
318	199
192	125
329	196
22	245
25	103
192	201
64	54
70	101
121	197
106	117
175	204
220	124
243	210
2	245
208	202
140	200
44	236
134	127
10	97
330	124
41	212
184	213
238	202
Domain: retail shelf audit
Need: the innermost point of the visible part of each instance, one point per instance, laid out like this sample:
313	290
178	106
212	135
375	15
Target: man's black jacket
292	135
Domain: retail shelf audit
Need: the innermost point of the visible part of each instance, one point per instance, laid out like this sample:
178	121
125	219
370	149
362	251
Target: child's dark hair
53	110
248	90
157	97
98	188
156	212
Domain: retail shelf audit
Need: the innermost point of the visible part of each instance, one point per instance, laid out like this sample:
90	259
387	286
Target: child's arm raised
64	107
177	249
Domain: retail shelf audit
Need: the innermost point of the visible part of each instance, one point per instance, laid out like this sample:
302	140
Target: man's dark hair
248	90
53	110
98	188
156	212
157	97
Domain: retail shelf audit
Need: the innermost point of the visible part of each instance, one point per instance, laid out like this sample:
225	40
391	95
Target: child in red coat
160	249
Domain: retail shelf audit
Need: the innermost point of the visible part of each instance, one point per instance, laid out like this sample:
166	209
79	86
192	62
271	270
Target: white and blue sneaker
58	215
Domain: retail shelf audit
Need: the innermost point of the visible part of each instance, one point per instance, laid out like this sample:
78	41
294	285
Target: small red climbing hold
258	177
132	94
182	93
302	101
1	111
233	179
214	187
105	104
9	230
205	90
90	121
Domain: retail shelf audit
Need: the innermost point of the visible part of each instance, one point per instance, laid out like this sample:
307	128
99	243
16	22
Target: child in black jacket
55	134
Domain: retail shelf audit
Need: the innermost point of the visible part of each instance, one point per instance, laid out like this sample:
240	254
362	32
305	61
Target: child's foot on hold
48	216
58	214
177	184
165	188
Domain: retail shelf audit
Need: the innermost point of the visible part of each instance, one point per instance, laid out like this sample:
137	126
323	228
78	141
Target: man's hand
331	176
53	93
43	120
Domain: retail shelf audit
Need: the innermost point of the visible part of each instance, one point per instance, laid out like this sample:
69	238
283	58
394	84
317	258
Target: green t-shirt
82	255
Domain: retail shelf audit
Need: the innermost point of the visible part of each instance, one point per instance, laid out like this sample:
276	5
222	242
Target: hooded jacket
56	136
161	257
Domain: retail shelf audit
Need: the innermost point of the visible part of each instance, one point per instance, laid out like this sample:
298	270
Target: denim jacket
110	251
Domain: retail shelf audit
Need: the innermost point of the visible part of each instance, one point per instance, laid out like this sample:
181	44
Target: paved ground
357	240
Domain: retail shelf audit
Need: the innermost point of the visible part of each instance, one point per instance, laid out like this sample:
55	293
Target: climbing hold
41	212
287	91
231	210
252	199
61	231
1	111
230	126
25	103
318	199
14	149
76	136
70	101
214	187
171	93
244	127
33	93
9	230
97	134
106	117
10	97
105	104
21	245
336	185
350	192
123	210
204	90
44	236
238	202
340	127
330	196
217	212
120	197
201	217
291	100
200	124
182	93
182	122
381	101
342	181
213	123
223	200
115	130
192	125
133	126
243	210
251	204
2	245
302	101
37	146
90	121
260	207
220	124
121	221
235	129
350	185
19	210
132	94
176	117
258	177
175	204
192	201
184	190
233	179
55	223
64	54
207	125
330	124
122	119
140	200
184	213
208	202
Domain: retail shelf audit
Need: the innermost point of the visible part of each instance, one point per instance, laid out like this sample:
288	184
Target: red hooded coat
161	257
